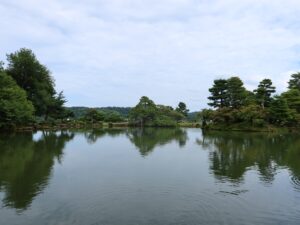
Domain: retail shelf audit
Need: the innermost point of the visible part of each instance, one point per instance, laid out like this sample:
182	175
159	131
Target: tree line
28	95
147	113
28	91
232	103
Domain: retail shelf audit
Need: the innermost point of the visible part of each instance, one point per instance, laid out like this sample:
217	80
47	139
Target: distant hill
80	111
192	116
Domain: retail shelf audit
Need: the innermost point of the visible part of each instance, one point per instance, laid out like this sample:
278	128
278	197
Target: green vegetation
14	107
147	113
28	98
182	109
237	108
94	115
27	92
80	112
35	79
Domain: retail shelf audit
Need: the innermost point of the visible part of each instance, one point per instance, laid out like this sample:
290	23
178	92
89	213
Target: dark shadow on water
26	165
233	153
92	136
147	139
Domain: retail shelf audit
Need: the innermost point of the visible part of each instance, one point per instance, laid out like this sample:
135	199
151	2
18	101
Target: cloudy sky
111	52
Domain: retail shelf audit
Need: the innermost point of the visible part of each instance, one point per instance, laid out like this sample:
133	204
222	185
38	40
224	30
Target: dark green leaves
35	79
14	106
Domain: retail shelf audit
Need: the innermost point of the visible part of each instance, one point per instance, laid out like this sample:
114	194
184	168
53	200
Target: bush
258	122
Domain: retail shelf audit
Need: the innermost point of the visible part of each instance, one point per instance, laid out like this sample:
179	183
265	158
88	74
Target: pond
149	177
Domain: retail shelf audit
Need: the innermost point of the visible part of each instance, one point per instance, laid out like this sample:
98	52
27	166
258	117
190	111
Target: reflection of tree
231	154
148	138
93	135
25	165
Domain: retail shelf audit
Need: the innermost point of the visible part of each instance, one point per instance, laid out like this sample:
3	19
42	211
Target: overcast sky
111	52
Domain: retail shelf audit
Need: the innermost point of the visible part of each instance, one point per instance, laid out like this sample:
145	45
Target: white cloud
111	52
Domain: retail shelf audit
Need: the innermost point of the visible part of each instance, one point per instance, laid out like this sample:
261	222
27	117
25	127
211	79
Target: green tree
252	114
147	113
292	97
34	78
280	113
236	92
263	93
218	92
206	116
1	66
144	111
166	116
294	82
56	107
113	117
94	115
14	107
250	98
181	108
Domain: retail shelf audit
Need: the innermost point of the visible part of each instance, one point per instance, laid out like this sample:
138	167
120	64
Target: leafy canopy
14	106
263	92
36	80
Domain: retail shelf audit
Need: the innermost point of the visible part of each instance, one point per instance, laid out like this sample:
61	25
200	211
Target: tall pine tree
294	82
218	92
264	92
236	92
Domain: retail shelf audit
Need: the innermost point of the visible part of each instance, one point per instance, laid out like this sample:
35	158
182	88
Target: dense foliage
37	81
28	95
14	107
94	116
233	104
80	111
147	113
27	91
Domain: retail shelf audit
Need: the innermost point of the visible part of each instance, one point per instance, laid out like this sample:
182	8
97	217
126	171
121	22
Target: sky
112	52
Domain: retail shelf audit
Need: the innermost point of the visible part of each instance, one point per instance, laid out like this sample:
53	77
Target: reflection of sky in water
37	136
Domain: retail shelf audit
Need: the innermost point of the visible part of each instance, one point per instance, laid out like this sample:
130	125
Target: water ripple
295	182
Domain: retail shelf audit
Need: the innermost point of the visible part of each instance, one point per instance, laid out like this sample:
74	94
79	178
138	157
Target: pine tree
182	109
236	92
218	94
280	112
294	82
263	93
293	99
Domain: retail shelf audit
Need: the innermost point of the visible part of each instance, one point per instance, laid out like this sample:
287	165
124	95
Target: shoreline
105	125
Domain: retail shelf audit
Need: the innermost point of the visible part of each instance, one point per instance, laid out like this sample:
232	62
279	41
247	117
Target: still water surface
149	177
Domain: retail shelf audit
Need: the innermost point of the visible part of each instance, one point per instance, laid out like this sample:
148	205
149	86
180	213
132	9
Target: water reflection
26	165
233	153
26	162
147	139
93	135
144	139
